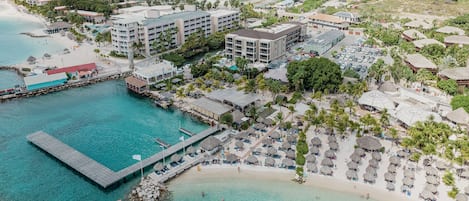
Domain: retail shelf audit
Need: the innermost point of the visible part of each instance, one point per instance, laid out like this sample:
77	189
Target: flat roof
419	61
450	30
165	19
154	69
263	34
418	24
277	74
212	106
42	78
457	39
234	96
346	14
328	37
223	12
414	34
71	69
461	73
428	41
132	80
87	13
327	18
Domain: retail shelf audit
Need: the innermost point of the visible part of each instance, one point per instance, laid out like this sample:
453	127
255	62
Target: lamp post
183	148
162	147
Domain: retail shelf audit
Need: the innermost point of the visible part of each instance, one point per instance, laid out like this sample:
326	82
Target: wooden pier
162	143
187	132
97	172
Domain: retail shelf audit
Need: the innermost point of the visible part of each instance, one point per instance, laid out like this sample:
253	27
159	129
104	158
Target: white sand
9	10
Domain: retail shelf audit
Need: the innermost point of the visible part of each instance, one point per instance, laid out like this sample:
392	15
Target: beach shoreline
283	175
13	11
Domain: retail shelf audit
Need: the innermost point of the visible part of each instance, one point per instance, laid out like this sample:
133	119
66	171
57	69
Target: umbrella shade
392	169
466	190
190	150
376	156
329	154
355	158
395	160
432	180
427	195
47	55
286	145
176	158
271	151
360	152
231	158
210	143
290	154
311	158
257	151
431	171
316	141
31	59
371	170
409	173
390	186
239	144
158	167
327	162
312	167
369	143
291	139
325	170
461	197
269	161
441	165
403	154
408	181
427	162
334	146
314	150
374	163
431	188
351	174
389	177
352	165
252	160
331	138
275	135
368	177
267	142
242	136
287	162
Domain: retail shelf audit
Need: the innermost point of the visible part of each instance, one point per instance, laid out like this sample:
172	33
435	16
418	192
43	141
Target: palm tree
384	119
394	135
351	106
291	108
274	87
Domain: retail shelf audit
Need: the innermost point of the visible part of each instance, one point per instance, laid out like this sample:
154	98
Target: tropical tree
274	87
351	106
384	119
241	63
450	86
460	101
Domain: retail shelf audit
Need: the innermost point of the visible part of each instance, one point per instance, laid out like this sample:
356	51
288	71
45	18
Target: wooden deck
97	172
187	132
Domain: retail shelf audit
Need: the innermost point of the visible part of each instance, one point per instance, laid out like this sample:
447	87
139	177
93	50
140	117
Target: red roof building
91	67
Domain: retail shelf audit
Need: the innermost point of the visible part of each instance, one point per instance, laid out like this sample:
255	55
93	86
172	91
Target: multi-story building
348	16
37	2
190	22
323	21
224	19
265	44
89	16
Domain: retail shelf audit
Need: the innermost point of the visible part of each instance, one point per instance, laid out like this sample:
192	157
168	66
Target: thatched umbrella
402	154
441	165
369	143
368	177
331	138
210	143
252	160
316	142
271	151
360	152
432	188
325	170
257	151
390	186
352	165
47	55
408	182
334	146
392	169
267	142
427	195
310	158
239	144
176	158
329	154
286	162
351	174
371	170
395	160
314	150
290	154
291	139
374	163
286	145
466	190
327	162
259	126
405	188
242	136
190	151
355	158
409	173
231	158
31	59
461	197
269	161
158	167
312	167
376	156
427	162
431	171
389	177
275	135
432	180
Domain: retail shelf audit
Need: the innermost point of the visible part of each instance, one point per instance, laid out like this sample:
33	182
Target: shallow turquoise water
102	121
9	79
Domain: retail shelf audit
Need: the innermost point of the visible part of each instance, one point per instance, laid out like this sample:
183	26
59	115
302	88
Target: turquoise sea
103	121
9	79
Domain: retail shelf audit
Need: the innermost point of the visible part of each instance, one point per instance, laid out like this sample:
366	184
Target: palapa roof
418	24
409	173
287	162
369	177
411	115
355	158
389	177
413	34
432	180
314	150
359	151
461	73
329	154
269	161
352	165
392	169
310	158
450	30
376	156
395	160
234	96
369	143
441	165
374	163
457	39
210	143
334	146
312	167
290	154
316	141
388	86
390	186
419	61
431	188
327	162
459	116
351	174
212	106
427	195
377	100
371	170
331	138
325	170
431	171
252	160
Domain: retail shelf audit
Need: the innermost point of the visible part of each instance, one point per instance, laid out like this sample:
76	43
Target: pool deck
97	172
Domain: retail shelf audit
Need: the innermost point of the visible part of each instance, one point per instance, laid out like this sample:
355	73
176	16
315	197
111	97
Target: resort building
209	108
417	62
190	22
419	44
264	44
44	81
458	117
222	20
155	72
78	71
461	75
450	30
408	115
416	24
324	42
57	27
376	101
348	16
323	21
460	40
136	85
412	34
37	2
93	17
237	99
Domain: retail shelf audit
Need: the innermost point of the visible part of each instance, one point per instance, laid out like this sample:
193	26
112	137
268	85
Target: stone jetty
148	190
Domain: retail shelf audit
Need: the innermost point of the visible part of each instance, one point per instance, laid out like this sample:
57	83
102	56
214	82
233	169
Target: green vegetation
389	37
460	21
78	36
449	86
307	6
227	119
454	191
319	74
448	178
351	73
460	101
177	59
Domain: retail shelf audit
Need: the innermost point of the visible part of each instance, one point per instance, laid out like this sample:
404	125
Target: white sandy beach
8	10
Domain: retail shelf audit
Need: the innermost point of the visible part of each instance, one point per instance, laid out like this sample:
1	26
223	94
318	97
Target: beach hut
239	145
352	165
331	138
390	186
369	177
327	162
231	158
191	151
311	159
392	168
159	167
389	177
334	146
371	170
330	154
267	142
176	158
210	144
351	175
409	173
252	160
440	165
431	171
369	143
47	56
432	180
408	182
31	60
427	195
316	142
314	150
312	167
356	158
286	146
257	151
288	163
271	151
394	160
269	162
431	188
376	156
291	139
290	154
359	151
461	197
325	170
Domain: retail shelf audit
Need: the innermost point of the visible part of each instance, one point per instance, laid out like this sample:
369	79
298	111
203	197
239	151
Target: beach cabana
316	142
210	144
458	116
408	182
267	142
359	151
288	163
431	171
330	154
286	146
409	173
231	158
390	186
334	146
374	163
239	145
314	150
355	158
368	177
271	151
252	160
440	165
352	165
392	168
290	154
427	196
176	158
389	177
461	197
327	162
394	160
325	170
269	162
312	167
369	143
432	180
351	175
191	151
431	188
311	158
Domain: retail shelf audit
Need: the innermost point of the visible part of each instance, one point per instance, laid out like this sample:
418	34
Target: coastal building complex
264	44
323	21
417	62
348	16
148	73
412	34
158	29
324	42
89	16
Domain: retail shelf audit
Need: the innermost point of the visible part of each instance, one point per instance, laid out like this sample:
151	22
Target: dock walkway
97	172
187	132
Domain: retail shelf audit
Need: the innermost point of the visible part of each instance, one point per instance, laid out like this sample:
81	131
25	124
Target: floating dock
162	143
187	132
97	172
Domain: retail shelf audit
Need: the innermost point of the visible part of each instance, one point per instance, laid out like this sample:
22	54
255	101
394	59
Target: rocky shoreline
147	190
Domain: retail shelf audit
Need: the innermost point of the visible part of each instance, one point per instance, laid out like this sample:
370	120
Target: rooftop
459	116
419	61
450	30
277	74
327	18
135	81
222	12
212	106
238	98
328	37
72	69
175	16
411	115
414	34
42	78
418	24
154	69
457	39
276	33
456	73
346	14
428	41
87	13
